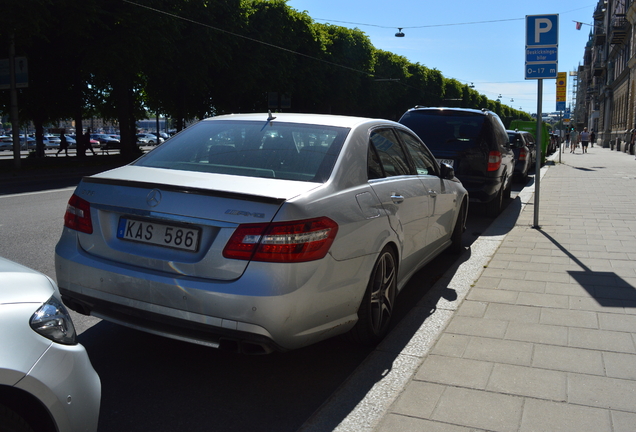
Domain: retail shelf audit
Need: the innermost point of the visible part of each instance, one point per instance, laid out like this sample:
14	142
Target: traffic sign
541	70
541	54
542	42
561	96
542	30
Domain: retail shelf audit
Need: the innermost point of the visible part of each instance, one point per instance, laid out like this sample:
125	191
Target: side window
392	157
530	139
499	130
374	168
421	156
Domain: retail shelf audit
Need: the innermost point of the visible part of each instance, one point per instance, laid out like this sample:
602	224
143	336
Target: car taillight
78	215
297	241
494	160
523	154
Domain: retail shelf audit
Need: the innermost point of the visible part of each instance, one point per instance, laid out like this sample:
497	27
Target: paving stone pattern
545	339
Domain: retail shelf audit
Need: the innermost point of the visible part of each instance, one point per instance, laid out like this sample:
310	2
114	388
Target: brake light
78	215
494	160
523	154
297	241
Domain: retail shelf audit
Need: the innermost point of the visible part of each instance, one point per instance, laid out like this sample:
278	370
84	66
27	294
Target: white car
146	138
47	382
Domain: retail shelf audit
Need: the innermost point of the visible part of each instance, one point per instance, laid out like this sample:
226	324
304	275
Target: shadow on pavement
607	288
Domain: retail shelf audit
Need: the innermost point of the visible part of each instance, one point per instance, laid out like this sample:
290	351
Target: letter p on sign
541	25
542	30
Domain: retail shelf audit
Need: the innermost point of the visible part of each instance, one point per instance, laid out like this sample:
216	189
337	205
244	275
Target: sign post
560	102
542	43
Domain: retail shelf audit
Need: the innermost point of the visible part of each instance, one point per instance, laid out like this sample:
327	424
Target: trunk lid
136	210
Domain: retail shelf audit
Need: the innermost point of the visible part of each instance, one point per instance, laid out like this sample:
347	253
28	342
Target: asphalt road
151	383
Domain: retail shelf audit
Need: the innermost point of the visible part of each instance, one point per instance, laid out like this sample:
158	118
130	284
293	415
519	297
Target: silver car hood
20	284
265	187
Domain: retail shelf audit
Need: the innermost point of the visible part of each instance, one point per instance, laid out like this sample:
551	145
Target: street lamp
399	33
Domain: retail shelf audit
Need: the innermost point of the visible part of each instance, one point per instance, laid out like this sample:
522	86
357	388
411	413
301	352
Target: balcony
599	68
599	12
599	35
619	29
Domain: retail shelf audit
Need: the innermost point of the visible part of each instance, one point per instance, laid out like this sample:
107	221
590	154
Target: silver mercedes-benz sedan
261	232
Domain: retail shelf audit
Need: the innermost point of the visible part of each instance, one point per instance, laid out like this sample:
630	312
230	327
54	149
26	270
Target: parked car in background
51	142
257	232
148	139
27	143
524	147
6	143
106	142
47	382
475	143
71	141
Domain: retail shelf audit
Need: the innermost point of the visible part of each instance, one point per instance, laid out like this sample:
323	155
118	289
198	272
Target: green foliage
190	59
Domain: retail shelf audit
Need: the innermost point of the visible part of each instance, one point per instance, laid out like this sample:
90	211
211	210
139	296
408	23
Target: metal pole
560	133
537	175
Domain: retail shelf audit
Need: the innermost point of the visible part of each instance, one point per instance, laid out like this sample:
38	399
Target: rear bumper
277	307
521	167
481	189
247	340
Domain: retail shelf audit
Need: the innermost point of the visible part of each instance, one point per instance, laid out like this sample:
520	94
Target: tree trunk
127	126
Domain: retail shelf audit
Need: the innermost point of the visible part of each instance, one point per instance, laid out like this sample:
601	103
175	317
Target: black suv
475	143
525	149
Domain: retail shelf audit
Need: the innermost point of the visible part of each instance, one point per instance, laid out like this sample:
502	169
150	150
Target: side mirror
447	172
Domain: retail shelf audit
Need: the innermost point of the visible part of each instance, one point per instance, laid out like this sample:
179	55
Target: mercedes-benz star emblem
154	198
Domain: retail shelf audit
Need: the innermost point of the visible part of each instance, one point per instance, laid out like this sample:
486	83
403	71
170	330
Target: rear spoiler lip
186	190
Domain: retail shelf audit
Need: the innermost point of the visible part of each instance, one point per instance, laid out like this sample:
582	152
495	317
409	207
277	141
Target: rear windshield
442	129
288	151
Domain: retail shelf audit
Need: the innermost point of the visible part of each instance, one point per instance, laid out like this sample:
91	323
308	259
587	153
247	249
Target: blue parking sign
542	30
542	46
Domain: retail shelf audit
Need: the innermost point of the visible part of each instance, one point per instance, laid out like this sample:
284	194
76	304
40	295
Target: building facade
606	100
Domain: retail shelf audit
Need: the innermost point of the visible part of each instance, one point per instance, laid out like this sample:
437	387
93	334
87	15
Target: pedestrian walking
573	141
63	144
592	138
87	141
567	139
584	139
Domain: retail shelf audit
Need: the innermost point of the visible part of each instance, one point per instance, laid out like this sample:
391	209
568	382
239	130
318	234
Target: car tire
456	246
11	421
377	304
507	193
494	207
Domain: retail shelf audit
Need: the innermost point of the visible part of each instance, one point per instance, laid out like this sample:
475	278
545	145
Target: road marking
38	192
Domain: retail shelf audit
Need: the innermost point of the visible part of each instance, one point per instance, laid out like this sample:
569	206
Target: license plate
172	236
446	161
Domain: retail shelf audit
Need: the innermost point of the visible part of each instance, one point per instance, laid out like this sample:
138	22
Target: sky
476	42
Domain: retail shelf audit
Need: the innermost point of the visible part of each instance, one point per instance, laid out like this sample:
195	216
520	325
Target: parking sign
542	41
542	30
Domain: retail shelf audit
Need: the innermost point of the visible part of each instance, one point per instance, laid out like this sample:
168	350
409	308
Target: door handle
397	199
432	193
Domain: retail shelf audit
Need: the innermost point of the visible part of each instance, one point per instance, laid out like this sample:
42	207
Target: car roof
317	119
482	111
